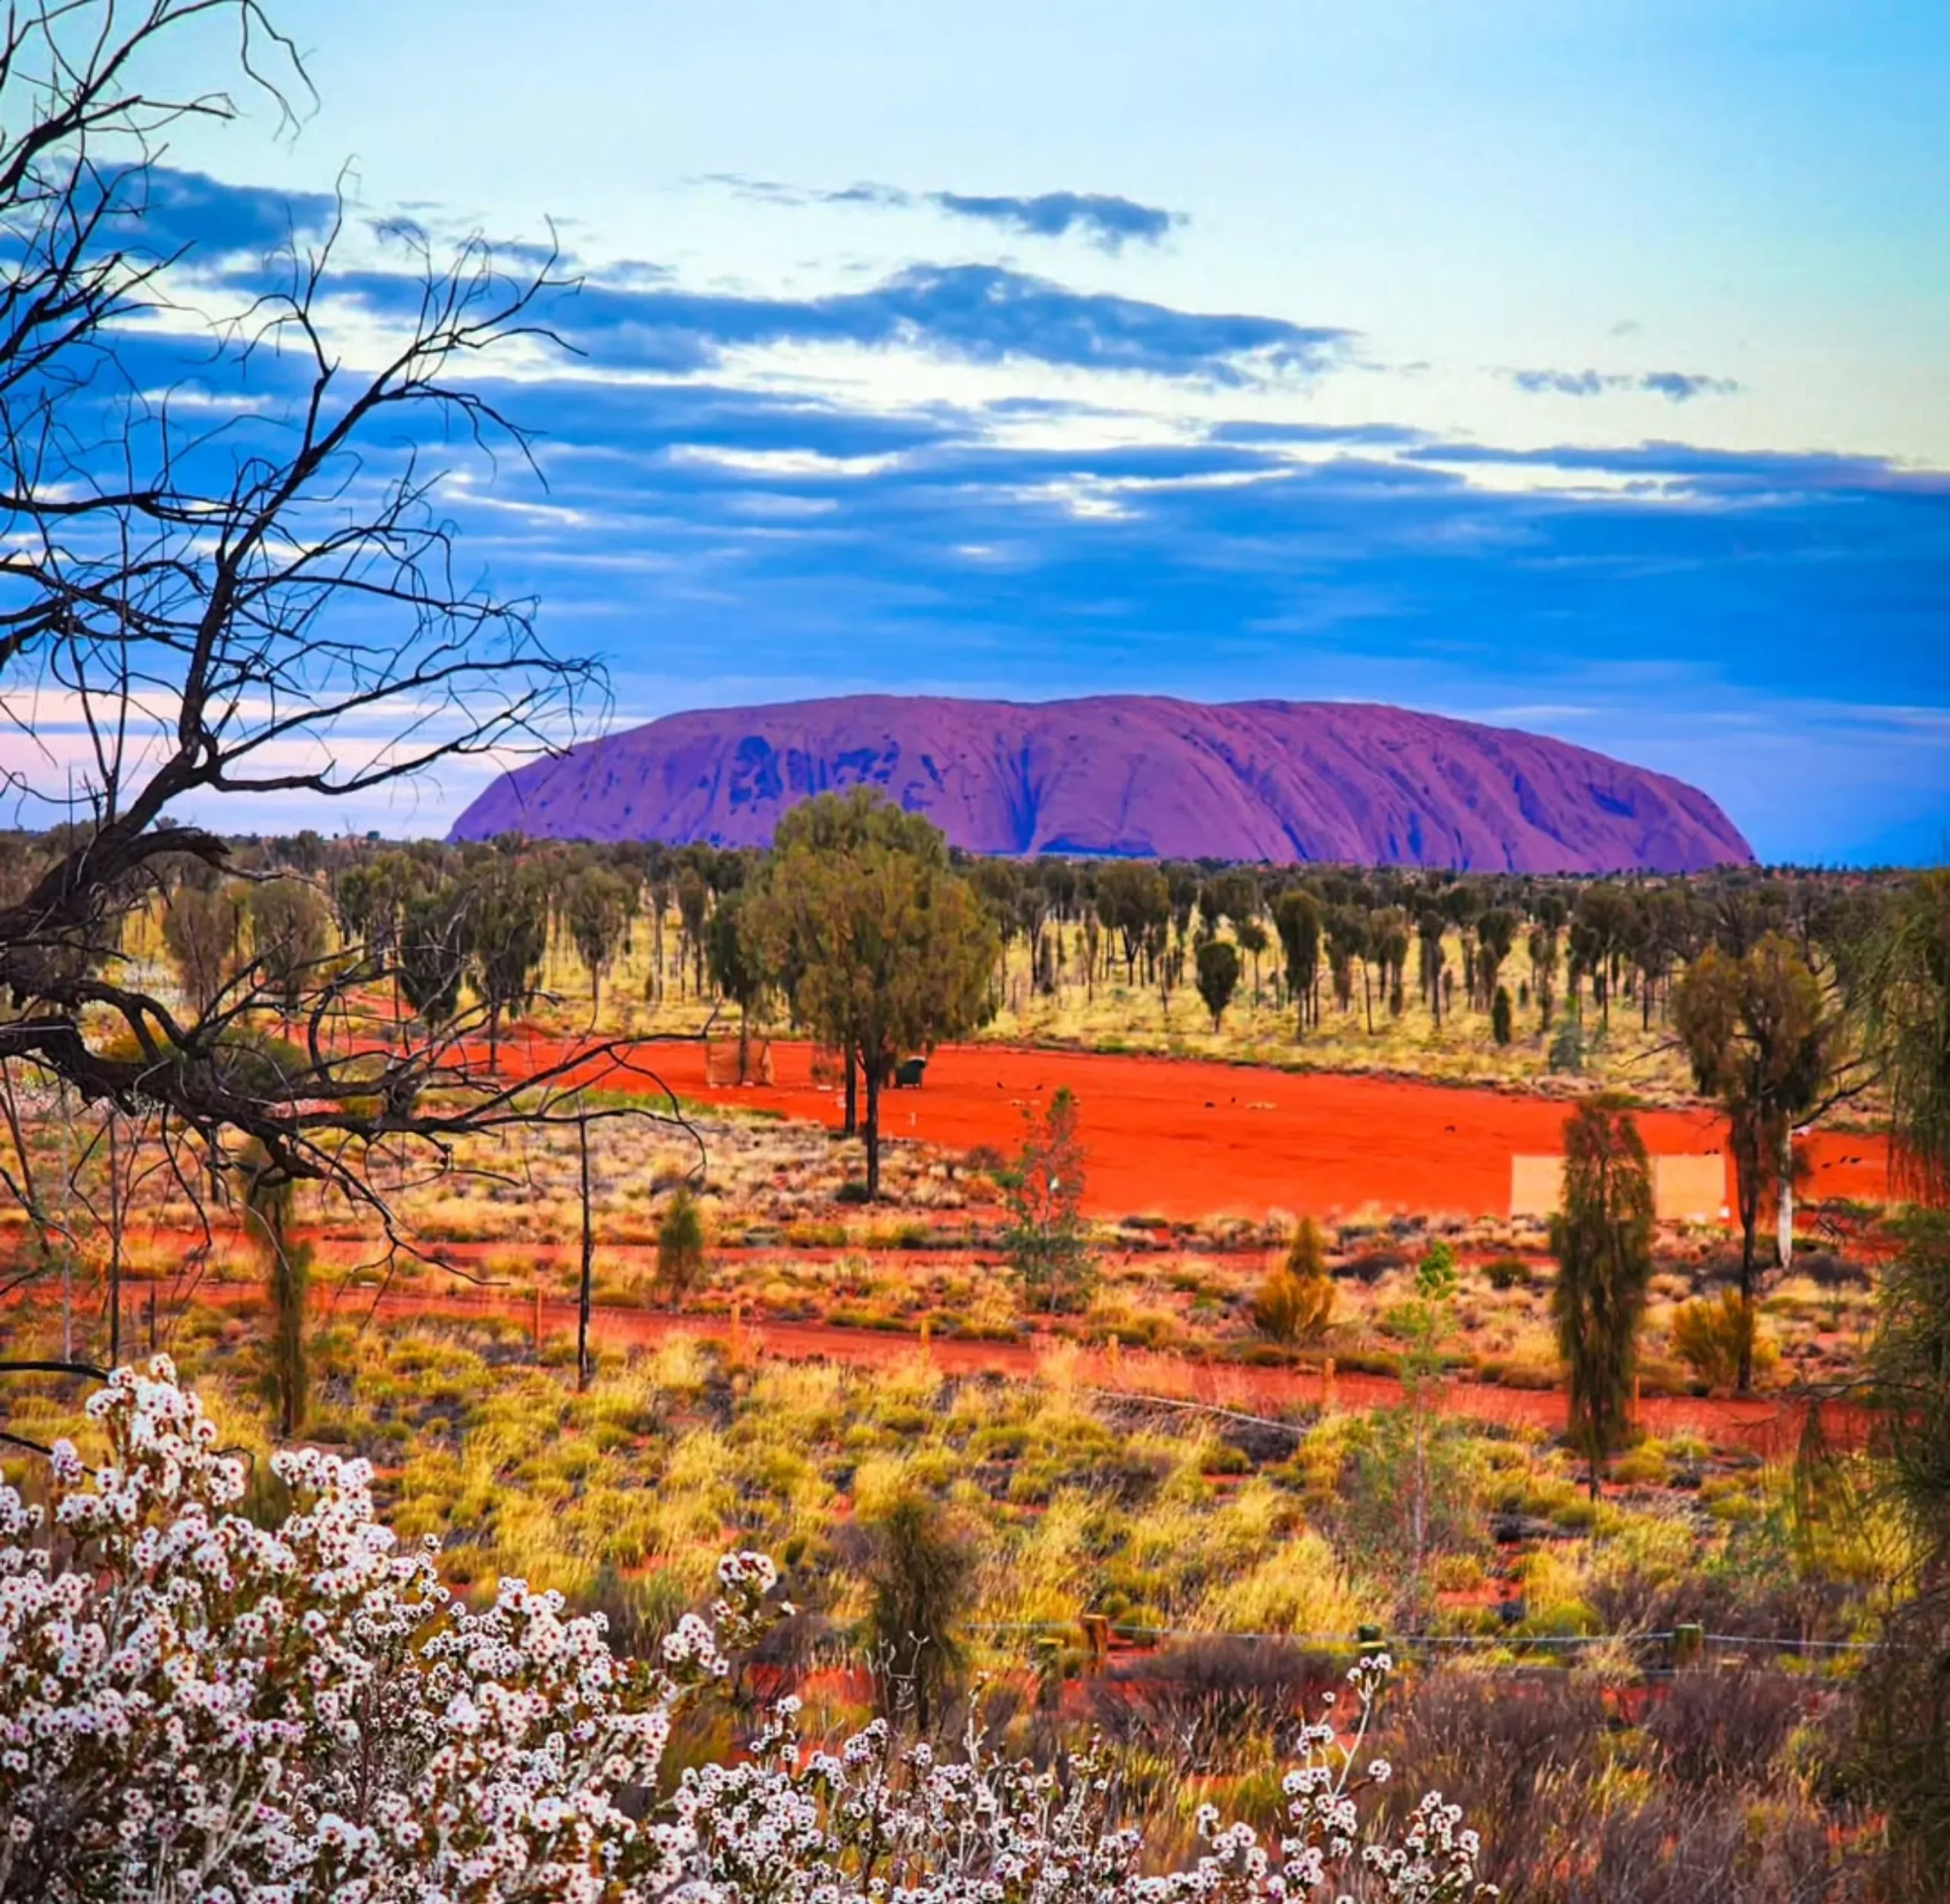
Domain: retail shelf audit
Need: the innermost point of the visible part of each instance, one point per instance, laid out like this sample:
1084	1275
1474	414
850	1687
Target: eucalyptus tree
598	905
1134	901
891	949
1431	923
1496	932
1218	974
1761	1037
290	936
1296	919
736	954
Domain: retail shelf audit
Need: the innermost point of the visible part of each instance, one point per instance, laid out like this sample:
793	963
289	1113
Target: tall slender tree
1496	932
1296	919
435	944
1430	924
735	954
1046	1238
598	907
920	1580
1900	989
1760	1036
1904	988
268	1199
1217	975
202	923
507	928
1601	1238
1543	970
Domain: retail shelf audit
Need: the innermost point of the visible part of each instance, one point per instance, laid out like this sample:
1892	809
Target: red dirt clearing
1770	1426
1184	1138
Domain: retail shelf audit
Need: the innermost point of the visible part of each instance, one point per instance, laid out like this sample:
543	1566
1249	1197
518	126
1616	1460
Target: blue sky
1584	369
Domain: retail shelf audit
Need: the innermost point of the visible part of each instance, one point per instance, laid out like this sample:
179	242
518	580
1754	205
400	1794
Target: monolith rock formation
1130	776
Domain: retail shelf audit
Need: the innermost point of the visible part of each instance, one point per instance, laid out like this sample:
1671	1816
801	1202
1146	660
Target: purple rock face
1132	775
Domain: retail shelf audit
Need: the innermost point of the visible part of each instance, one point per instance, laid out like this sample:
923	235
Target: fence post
1048	1653
1688	1642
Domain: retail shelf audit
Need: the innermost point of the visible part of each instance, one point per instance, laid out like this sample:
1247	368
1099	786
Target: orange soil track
1768	1426
1184	1138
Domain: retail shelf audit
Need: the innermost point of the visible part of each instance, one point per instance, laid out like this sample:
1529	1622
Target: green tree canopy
435	943
1218	976
1296	919
735	951
1758	1032
1906	987
289	935
507	928
890	950
599	906
201	922
1134	901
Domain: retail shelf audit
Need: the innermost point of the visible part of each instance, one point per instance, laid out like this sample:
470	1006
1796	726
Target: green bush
681	1262
1293	1307
1507	1273
1707	1333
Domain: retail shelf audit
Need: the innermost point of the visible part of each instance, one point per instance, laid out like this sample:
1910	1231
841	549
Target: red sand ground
1769	1425
1181	1138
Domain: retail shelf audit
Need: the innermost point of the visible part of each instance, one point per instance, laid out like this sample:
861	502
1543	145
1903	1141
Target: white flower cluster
787	1827
194	1706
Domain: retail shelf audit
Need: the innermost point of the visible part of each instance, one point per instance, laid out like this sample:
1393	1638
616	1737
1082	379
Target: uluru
1130	776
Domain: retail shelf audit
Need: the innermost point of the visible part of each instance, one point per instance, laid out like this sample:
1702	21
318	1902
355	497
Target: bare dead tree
259	596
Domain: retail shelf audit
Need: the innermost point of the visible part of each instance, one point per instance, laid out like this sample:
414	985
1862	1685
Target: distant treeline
1352	932
1336	927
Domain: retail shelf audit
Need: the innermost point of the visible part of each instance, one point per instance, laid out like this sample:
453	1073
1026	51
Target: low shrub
1296	1302
1291	1310
1370	1266
1505	1273
1707	1333
1644	1466
681	1262
1724	1725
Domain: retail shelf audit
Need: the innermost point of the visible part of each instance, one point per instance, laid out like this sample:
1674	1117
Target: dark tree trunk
873	1130
588	1266
114	1250
852	1123
1746	1188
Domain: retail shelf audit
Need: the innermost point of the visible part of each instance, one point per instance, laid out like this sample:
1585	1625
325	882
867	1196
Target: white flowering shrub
192	1707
